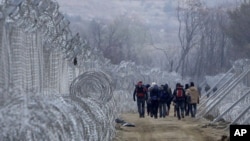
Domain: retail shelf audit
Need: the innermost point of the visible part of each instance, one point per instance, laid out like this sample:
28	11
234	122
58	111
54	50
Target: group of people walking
158	98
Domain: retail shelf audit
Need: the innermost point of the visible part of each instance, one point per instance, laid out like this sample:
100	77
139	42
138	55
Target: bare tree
97	31
168	59
239	29
187	14
211	54
118	40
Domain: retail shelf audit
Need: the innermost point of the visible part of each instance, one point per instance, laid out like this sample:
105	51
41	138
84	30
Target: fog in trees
192	37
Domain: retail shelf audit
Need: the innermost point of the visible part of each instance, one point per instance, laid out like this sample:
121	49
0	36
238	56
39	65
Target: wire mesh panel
231	102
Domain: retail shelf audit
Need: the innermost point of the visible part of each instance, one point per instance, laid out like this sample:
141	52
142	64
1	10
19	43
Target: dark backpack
169	91
154	93
164	95
188	99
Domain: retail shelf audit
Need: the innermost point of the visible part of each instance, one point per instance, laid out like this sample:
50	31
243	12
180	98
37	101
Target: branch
164	51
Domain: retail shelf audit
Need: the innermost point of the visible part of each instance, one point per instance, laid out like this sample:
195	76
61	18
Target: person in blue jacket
154	98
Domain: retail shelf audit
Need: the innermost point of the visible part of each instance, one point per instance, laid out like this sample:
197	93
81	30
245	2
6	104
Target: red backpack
140	91
179	93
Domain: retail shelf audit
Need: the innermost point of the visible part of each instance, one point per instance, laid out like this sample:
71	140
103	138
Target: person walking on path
148	100
154	98
194	96
179	100
164	96
187	101
170	99
140	95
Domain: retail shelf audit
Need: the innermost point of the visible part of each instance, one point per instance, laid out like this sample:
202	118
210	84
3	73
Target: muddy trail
169	129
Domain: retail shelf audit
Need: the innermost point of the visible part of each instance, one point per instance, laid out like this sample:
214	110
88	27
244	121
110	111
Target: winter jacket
194	94
140	93
163	95
154	93
178	99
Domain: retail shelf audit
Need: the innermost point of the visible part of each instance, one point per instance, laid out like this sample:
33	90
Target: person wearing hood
179	100
194	96
165	99
154	98
140	95
162	102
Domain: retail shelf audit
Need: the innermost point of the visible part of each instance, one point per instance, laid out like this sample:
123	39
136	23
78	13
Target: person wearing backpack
179	100
187	101
140	95
163	98
154	98
194	95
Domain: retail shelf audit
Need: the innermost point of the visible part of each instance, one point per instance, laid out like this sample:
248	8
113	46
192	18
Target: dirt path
167	129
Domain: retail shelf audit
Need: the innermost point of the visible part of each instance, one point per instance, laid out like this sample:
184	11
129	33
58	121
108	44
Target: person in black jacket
154	98
162	102
170	99
148	99
179	100
165	100
187	101
140	94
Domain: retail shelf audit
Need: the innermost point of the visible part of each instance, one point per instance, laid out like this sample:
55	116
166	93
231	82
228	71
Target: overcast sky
149	12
